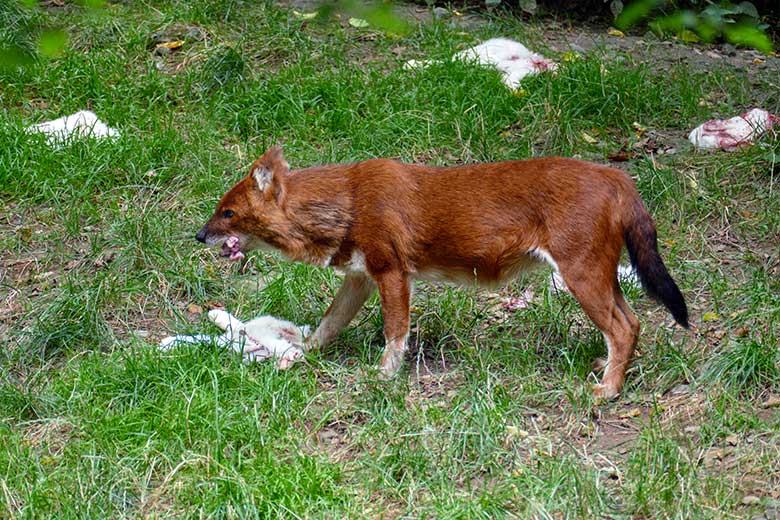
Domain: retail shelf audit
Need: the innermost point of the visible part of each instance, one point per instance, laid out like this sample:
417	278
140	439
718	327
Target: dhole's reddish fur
385	223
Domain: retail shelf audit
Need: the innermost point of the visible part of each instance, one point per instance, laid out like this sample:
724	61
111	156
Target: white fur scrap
731	134
75	126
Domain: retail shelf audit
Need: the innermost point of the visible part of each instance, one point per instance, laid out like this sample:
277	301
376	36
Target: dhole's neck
318	213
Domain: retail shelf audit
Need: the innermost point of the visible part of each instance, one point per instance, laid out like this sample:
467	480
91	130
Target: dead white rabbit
256	340
511	58
731	134
84	123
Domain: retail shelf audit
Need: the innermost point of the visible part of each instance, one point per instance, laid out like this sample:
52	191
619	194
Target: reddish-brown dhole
385	223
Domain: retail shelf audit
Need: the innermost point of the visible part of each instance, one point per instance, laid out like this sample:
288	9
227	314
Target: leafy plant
739	24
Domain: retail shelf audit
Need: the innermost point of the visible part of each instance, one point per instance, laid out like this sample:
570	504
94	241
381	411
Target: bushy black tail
642	245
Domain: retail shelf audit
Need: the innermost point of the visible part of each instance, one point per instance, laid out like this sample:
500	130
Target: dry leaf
634	412
617	33
514	431
589	138
622	155
194	308
170	45
304	16
710	316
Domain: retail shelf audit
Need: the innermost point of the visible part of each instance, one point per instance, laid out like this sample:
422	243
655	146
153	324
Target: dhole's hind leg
395	291
600	296
351	296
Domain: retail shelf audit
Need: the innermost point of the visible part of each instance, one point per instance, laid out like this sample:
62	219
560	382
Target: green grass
492	417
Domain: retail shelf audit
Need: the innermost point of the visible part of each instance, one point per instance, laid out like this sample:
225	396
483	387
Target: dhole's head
250	215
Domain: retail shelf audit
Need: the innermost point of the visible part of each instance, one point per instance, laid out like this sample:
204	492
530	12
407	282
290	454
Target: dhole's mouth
231	248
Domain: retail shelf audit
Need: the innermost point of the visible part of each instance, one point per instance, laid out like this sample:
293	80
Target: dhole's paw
604	392
392	361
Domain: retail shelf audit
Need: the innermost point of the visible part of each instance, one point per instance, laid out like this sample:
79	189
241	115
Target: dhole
385	224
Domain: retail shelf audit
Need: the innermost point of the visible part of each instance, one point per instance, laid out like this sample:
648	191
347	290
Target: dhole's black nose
201	236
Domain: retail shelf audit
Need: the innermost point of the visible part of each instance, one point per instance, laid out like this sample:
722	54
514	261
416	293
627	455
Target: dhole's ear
269	171
263	177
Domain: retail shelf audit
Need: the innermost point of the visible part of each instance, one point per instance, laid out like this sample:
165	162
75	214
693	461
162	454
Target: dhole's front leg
395	292
351	296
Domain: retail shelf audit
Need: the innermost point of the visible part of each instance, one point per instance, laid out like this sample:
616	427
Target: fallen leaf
589	138
570	56
305	16
170	45
710	316
514	431
750	500
634	412
757	61
621	155
617	33
194	308
732	439
358	22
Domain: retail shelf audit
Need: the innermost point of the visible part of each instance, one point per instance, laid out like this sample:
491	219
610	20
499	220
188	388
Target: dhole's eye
228	213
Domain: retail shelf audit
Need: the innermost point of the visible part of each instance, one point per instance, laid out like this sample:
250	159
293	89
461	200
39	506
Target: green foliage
739	24
746	366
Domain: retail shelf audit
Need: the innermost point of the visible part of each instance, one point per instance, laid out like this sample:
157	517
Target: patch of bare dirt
51	435
661	54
